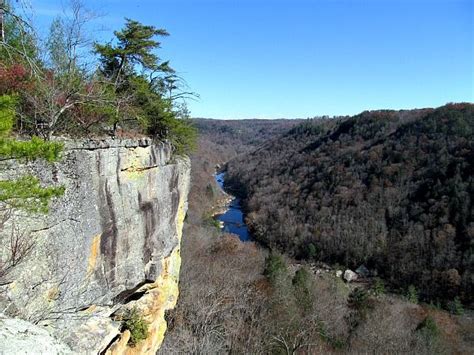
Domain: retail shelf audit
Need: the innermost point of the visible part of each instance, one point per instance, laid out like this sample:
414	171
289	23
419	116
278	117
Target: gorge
257	297
232	219
236	177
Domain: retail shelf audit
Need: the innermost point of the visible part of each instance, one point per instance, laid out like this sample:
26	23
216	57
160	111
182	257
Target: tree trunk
2	21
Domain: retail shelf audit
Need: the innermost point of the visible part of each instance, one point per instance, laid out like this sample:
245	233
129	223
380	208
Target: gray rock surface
103	241
350	275
21	337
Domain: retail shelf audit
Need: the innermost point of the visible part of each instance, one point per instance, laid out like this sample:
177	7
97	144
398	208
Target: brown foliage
390	189
227	306
14	78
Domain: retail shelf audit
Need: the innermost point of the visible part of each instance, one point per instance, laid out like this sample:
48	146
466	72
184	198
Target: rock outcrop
350	275
112	242
18	336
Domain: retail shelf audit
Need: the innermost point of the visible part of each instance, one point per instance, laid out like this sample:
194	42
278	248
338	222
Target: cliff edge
110	244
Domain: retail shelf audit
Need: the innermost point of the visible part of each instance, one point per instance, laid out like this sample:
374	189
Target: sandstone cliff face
110	243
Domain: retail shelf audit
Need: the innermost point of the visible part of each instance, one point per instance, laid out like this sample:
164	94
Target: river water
233	218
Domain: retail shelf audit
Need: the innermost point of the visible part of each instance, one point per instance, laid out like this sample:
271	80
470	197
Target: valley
391	190
259	297
232	220
269	177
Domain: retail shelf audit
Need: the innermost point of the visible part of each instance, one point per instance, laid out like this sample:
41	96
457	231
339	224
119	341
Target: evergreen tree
142	86
135	46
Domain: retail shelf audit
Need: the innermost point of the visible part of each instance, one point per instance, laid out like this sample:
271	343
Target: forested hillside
242	135
389	189
218	142
238	298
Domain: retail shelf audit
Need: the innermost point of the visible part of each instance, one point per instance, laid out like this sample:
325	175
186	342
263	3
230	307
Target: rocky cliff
111	243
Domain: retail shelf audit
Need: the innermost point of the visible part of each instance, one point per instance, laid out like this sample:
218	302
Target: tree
120	66
275	267
2	20
65	84
60	81
135	45
18	42
301	283
58	91
137	325
143	87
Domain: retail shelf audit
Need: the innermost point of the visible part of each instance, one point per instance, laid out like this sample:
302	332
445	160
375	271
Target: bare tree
18	43
17	245
67	83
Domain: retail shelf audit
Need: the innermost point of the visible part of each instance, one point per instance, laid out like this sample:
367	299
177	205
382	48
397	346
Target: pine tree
135	46
143	86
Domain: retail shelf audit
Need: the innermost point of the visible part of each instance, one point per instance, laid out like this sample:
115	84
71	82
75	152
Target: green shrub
301	284
412	294
323	332
161	121
435	305
455	307
26	193
138	327
334	341
358	299
210	191
337	343
181	134
29	150
312	251
275	266
378	287
428	328
209	221
301	278
359	303
7	114
12	148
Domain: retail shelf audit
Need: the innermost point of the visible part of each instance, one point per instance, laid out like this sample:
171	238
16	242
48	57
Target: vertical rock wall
109	244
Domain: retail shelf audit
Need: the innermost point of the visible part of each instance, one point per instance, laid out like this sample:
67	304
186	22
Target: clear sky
303	58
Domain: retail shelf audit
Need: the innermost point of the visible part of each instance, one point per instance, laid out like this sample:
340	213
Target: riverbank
231	217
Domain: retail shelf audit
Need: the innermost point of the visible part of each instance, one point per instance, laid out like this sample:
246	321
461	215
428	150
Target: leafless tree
25	37
16	245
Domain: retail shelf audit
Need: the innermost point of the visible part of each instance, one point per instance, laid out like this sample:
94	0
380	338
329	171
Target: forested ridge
239	297
389	189
218	142
242	135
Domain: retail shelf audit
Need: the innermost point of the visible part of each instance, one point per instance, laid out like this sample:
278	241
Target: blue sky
303	58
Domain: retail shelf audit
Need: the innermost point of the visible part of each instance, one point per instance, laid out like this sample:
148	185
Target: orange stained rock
93	255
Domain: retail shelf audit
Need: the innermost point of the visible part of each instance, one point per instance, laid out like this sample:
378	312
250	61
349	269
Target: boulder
350	275
338	273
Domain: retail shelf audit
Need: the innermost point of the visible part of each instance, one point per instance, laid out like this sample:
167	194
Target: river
233	218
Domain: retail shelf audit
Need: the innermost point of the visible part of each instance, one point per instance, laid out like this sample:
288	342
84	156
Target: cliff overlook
110	244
